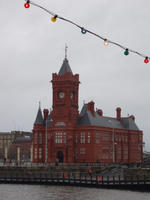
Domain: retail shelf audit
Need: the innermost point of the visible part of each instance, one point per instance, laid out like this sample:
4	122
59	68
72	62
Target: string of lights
84	31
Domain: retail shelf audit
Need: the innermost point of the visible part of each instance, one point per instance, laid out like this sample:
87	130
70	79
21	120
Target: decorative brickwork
64	135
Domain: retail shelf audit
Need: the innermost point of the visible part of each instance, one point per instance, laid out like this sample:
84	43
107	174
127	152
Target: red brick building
65	135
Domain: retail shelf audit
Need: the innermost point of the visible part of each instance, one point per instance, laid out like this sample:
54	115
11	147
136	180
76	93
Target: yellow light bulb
54	18
106	42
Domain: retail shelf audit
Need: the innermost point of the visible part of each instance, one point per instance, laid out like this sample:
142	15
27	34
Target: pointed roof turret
39	117
65	66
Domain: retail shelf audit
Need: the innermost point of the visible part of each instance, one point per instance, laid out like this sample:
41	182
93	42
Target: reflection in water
42	192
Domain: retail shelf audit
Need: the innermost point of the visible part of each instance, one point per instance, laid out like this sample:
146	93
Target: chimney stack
100	112
91	107
118	110
132	117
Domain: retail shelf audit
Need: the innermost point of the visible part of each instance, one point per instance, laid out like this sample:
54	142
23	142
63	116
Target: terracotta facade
65	135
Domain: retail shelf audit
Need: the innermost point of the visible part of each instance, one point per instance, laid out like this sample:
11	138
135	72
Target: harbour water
47	192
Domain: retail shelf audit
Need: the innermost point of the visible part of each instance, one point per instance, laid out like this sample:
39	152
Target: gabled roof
39	118
65	68
86	118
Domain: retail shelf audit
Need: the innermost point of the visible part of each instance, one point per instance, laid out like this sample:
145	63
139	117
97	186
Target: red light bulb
27	5
146	60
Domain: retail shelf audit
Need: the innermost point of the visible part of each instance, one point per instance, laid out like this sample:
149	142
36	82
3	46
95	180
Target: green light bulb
126	52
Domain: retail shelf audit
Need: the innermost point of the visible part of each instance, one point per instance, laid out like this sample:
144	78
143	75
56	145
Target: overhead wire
84	30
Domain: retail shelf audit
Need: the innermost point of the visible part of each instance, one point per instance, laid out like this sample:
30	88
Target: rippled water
42	192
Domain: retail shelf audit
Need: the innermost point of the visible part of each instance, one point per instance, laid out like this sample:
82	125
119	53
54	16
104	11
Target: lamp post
46	143
113	140
114	145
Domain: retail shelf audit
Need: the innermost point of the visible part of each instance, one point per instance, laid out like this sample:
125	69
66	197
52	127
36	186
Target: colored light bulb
146	60
83	31
106	42
54	18
27	4
126	52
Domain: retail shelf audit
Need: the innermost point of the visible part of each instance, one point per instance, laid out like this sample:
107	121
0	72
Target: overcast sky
32	48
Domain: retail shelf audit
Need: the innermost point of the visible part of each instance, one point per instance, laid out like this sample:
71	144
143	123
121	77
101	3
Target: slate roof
87	119
39	118
49	120
65	67
23	140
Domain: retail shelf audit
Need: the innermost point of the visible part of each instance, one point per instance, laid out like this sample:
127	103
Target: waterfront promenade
97	176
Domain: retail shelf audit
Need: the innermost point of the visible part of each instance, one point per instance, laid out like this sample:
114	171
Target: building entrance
60	156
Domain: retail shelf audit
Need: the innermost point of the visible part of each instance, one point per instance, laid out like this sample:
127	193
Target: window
105	148
35	138
105	137
60	137
76	153
125	153
82	150
35	153
40	153
49	135
89	138
119	153
40	138
116	138
123	138
105	156
134	138
82	138
97	138
76	139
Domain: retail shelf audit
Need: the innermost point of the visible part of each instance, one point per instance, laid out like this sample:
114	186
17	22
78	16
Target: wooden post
113	180
63	177
91	179
144	179
69	178
119	179
46	178
57	178
85	179
131	180
74	176
107	180
80	177
138	180
51	178
40	177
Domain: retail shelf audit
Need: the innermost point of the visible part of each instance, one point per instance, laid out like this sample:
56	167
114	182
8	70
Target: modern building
65	135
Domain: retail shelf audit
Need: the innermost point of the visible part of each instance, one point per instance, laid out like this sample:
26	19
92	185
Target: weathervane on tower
66	47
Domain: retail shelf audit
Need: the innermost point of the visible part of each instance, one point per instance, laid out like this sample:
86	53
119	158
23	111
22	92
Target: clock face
71	95
61	95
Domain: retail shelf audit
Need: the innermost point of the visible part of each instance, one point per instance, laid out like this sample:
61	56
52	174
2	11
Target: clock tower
65	96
